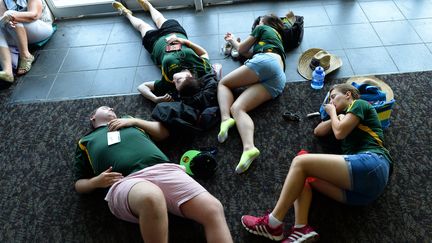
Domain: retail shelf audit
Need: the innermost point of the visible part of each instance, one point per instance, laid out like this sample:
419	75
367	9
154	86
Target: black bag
177	117
292	35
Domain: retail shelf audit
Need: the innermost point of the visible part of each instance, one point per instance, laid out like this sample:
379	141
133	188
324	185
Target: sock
274	222
298	226
246	159
224	127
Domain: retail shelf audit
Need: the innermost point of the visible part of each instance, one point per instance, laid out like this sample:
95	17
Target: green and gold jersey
268	38
134	152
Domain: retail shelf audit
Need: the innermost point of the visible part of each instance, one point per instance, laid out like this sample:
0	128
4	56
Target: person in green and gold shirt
264	78
181	61
143	184
358	177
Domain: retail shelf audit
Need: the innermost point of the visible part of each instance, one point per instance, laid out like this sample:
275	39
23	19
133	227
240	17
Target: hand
116	124
164	98
107	178
229	37
7	18
177	40
330	109
341	117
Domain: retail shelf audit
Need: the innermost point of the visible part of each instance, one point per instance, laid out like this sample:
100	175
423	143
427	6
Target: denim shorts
369	174
271	74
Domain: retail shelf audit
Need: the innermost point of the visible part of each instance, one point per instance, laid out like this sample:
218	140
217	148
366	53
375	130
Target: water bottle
318	78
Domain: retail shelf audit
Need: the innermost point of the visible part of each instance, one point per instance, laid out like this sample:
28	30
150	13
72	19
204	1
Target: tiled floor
103	56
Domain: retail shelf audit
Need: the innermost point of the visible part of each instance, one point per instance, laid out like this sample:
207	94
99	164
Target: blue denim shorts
369	174
271	74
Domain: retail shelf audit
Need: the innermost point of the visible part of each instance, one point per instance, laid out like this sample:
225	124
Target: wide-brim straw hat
372	80
317	57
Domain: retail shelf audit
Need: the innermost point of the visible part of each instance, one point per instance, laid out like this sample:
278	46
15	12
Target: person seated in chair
178	57
144	185
22	22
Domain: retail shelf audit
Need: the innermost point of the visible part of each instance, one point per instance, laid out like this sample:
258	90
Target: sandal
25	65
288	116
6	77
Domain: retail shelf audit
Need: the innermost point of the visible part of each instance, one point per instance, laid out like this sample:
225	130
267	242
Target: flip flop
289	116
25	65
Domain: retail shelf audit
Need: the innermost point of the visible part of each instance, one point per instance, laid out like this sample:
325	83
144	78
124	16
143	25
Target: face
103	114
339	100
180	77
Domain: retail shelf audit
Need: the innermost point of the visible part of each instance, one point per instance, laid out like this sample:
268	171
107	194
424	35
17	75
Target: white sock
274	222
297	226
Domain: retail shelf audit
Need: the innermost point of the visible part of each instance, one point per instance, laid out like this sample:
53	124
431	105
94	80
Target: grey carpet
38	202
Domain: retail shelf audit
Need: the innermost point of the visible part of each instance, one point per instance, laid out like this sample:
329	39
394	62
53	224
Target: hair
190	86
273	21
91	115
343	88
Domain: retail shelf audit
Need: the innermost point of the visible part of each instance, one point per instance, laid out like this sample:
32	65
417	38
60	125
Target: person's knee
298	163
236	108
214	209
153	200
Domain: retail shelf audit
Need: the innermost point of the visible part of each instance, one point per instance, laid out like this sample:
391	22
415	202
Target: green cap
187	158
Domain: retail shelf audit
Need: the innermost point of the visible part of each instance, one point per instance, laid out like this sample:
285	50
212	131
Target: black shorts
168	27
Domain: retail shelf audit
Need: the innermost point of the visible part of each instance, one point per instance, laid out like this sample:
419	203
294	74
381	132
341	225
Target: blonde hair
344	88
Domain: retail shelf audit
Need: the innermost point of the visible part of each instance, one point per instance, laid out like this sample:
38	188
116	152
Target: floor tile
117	81
121	55
123	32
313	15
324	37
345	13
396	33
144	58
423	28
430	47
291	63
72	85
343	72
410	58
239	22
145	74
63	37
357	35
90	35
33	88
415	9
48	61
374	60
201	25
208	42
82	58
381	11
228	65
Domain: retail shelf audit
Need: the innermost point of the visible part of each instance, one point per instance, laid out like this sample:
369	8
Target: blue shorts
271	74
369	174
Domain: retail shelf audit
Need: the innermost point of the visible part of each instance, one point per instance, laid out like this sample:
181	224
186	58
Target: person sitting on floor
23	22
179	58
264	78
356	178
143	185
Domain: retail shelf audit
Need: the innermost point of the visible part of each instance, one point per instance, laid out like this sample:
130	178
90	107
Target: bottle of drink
318	78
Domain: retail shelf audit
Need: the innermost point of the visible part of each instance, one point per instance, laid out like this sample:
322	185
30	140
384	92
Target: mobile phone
173	47
168	38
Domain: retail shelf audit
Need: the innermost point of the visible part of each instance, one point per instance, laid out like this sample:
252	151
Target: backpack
292	35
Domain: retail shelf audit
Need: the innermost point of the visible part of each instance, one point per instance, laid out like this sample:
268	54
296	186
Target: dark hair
190	86
273	21
343	88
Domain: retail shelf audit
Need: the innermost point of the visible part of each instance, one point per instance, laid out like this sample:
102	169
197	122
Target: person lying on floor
264	78
144	185
357	178
22	23
179	58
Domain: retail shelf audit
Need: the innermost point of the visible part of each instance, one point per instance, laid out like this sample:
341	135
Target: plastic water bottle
318	78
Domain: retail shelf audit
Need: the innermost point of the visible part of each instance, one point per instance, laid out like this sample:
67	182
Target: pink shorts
177	187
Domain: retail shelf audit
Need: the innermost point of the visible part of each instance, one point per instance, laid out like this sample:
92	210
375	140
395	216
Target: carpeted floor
38	202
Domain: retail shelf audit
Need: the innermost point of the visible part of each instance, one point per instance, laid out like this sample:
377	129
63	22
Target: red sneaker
260	226
303	234
301	152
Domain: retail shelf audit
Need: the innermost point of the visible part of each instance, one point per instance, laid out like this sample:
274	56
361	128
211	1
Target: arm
341	128
105	179
242	47
155	129
146	89
324	128
34	11
199	50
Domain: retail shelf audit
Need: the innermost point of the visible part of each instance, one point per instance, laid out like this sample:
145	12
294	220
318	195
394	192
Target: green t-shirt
268	38
174	62
134	152
368	135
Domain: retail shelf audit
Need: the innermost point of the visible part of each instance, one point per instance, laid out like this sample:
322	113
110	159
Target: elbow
34	16
339	135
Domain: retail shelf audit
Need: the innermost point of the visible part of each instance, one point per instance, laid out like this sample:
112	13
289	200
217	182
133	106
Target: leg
139	24
302	205
148	202
330	168
157	17
6	63
208	211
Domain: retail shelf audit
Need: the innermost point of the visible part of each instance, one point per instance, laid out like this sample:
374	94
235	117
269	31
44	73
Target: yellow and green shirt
268	38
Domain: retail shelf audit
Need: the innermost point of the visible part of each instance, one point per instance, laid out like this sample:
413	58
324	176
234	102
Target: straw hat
314	57
372	80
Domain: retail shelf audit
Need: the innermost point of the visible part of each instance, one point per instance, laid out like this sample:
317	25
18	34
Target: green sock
246	160
224	127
